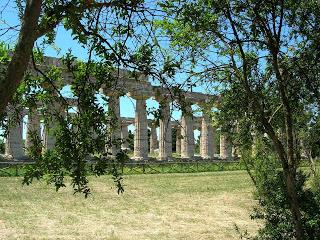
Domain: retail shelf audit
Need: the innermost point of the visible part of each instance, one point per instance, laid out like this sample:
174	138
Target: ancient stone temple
140	90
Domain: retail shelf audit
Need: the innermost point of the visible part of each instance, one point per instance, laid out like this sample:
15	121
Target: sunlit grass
158	206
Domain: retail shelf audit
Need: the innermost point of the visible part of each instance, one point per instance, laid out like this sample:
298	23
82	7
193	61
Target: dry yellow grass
166	206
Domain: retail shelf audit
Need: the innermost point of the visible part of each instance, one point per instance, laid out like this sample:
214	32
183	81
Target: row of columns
14	142
184	138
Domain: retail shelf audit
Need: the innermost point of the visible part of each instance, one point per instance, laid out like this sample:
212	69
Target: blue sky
63	43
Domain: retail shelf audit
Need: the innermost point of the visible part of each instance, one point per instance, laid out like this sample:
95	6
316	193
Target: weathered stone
49	139
165	142
14	143
153	139
141	129
33	127
207	144
115	123
234	152
124	137
187	141
178	140
225	147
138	86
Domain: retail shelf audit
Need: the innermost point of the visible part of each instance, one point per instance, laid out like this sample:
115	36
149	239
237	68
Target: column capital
143	95
153	123
126	121
125	124
184	100
111	92
163	98
205	105
140	90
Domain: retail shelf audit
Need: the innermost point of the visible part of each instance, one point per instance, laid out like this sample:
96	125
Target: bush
274	207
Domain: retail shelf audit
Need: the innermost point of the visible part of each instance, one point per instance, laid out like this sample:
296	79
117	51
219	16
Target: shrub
274	207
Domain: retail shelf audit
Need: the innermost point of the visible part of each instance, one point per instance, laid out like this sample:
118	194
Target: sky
64	41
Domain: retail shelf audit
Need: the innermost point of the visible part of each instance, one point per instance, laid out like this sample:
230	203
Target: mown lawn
157	206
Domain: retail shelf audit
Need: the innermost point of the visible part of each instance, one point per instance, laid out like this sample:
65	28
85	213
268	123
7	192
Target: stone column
115	123
234	152
49	139
225	147
124	137
207	144
141	129
14	143
33	126
178	140
165	143
153	139
187	141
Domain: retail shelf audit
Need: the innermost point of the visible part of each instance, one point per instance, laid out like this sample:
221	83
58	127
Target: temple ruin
140	90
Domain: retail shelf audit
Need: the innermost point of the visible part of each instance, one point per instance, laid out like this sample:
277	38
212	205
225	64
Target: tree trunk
289	172
21	55
289	161
290	179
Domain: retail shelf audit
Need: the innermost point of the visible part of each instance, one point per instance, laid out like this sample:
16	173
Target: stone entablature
141	90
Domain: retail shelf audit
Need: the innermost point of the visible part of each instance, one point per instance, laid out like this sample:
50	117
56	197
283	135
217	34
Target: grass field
157	206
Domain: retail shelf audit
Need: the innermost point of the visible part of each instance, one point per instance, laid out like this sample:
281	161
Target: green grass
156	167
160	167
157	206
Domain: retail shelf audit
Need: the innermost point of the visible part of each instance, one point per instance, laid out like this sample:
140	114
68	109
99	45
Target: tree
252	49
116	35
40	18
21	56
